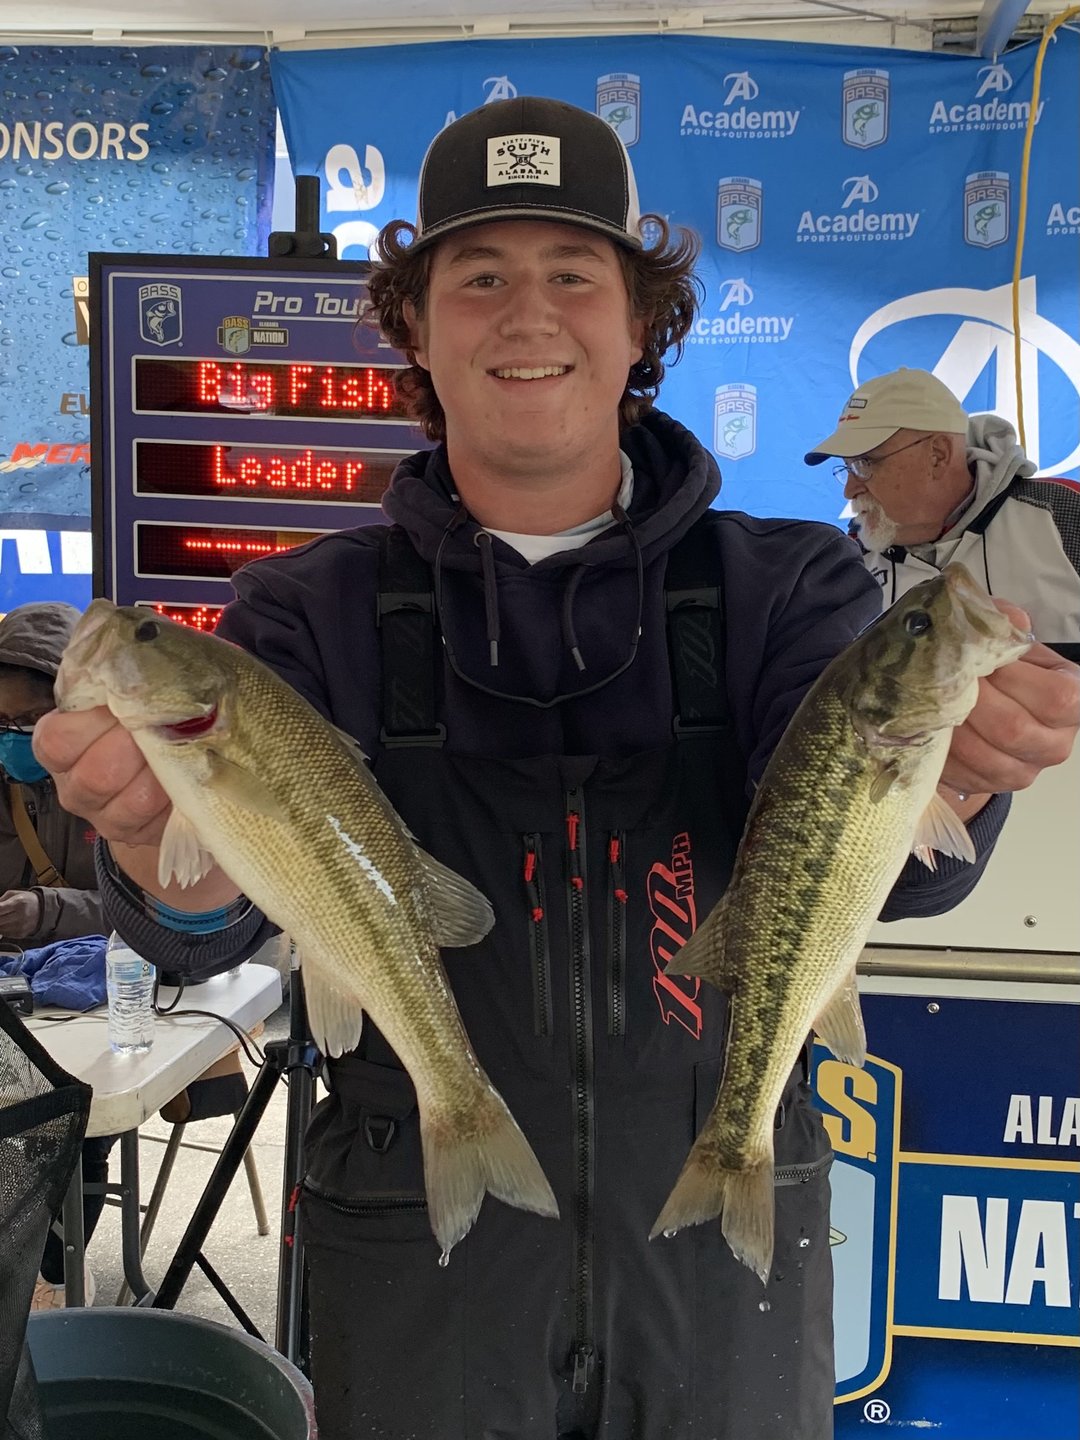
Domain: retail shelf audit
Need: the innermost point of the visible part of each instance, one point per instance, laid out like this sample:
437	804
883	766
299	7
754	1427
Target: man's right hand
101	775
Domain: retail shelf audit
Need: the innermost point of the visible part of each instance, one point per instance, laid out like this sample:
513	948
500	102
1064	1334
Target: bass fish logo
865	108
618	101
161	319
861	1110
234	334
986	208
738	213
735	421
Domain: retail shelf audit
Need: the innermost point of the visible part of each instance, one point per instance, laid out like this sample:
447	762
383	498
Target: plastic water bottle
129	980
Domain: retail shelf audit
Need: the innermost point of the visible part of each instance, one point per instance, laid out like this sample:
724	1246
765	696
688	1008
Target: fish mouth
1007	642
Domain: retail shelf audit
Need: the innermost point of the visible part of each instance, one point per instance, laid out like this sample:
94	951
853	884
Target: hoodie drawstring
482	541
487	562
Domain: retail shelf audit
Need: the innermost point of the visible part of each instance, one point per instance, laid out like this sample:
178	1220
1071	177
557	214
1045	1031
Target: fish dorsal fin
705	953
462	915
941	829
352	745
182	853
334	1018
840	1024
243	788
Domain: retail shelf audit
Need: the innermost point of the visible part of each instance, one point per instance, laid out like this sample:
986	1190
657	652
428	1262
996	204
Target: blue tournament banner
956	1220
858	210
167	149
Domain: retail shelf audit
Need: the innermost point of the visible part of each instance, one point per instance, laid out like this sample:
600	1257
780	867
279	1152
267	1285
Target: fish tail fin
742	1198
467	1156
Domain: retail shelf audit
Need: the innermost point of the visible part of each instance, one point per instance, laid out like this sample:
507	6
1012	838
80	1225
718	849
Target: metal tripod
297	1060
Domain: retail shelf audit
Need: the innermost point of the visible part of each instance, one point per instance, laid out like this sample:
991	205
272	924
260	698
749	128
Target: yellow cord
1021	223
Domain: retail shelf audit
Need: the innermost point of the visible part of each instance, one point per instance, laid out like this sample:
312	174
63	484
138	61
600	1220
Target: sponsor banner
39	563
148	149
956	1219
856	210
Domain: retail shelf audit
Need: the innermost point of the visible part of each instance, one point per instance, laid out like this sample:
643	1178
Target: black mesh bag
43	1114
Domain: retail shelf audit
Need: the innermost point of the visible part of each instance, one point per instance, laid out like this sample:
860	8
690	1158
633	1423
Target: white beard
876	530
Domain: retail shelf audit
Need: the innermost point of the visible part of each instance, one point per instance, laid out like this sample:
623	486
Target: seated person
48	889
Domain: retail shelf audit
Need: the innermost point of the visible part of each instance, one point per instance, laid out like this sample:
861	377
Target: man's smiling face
528	338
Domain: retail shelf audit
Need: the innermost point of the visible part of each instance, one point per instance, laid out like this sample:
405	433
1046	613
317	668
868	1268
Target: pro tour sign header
239	407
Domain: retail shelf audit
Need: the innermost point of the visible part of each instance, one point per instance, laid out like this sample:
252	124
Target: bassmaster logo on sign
866	108
161	320
738	213
618	101
861	1109
735	421
986	208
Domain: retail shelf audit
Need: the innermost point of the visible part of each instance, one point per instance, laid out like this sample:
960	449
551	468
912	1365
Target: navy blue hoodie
794	592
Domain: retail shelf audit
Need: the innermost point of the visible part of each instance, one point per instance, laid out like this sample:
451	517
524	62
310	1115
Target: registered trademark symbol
876	1411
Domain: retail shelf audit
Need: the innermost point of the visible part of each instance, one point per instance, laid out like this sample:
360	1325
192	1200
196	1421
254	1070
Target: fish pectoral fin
941	829
244	789
335	1019
462	915
182	853
704	954
882	782
840	1025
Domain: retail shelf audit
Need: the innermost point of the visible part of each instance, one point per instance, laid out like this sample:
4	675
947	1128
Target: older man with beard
929	484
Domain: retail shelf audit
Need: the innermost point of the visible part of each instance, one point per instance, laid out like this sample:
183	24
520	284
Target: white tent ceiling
908	23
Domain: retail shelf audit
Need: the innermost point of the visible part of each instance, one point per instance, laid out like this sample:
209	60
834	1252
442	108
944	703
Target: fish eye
918	622
147	630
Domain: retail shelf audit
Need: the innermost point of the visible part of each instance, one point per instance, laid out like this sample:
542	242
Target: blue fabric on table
67	973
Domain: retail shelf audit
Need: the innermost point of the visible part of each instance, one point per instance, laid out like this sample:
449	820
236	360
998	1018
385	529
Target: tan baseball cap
902	400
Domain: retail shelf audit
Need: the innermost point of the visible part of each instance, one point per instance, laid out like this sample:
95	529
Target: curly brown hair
660	283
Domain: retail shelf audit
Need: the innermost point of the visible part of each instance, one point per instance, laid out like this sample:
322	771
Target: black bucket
135	1374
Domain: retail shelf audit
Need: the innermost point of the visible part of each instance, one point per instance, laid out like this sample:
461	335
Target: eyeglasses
862	466
17	727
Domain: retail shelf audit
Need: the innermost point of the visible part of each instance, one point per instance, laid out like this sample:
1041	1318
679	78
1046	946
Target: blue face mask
17	758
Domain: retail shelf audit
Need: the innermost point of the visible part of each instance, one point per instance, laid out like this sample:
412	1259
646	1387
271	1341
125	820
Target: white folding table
128	1089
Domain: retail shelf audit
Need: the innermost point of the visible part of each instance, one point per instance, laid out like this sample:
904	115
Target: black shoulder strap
695	624
406	619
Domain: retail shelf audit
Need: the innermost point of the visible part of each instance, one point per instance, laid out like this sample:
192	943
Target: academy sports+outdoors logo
737	117
987	111
856	220
733	324
974	335
1063	219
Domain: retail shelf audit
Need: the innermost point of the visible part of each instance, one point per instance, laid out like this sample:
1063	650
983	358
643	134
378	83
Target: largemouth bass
848	794
285	803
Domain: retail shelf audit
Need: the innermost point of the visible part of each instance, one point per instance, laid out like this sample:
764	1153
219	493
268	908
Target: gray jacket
34	636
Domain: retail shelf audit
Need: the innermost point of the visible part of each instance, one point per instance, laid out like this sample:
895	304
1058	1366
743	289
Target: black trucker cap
528	159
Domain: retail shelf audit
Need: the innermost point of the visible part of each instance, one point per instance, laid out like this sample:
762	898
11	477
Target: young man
930	484
568	671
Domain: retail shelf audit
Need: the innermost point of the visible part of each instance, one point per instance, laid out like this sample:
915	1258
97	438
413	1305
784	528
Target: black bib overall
598	869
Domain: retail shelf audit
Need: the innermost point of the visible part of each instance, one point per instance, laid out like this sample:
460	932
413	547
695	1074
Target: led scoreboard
239	407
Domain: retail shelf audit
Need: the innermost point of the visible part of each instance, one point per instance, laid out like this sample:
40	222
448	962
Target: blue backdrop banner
858	210
157	149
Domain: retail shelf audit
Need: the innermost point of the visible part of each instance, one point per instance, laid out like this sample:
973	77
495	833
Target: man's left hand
1025	719
20	914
